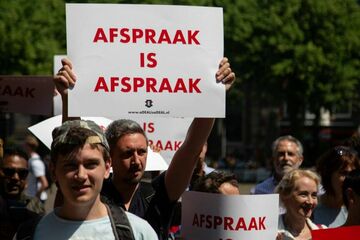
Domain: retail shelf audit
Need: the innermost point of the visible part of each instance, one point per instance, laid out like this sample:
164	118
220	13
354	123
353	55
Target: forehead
83	153
14	161
132	140
287	145
305	183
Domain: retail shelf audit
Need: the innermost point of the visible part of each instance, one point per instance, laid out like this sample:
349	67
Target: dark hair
354	142
80	136
211	182
14	150
352	180
120	128
335	159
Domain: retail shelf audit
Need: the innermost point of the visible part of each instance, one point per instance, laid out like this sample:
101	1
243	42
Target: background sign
26	94
43	131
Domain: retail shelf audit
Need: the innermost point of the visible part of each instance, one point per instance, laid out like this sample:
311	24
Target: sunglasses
9	172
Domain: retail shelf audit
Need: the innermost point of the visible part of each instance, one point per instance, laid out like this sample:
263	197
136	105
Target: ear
350	196
107	168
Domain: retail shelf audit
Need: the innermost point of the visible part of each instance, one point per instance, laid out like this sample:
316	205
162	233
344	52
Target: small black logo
148	103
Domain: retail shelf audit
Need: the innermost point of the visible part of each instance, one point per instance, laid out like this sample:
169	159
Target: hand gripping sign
213	216
137	60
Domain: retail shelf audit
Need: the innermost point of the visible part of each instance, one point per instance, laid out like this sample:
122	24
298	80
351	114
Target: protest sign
165	133
229	217
137	60
348	233
43	131
26	94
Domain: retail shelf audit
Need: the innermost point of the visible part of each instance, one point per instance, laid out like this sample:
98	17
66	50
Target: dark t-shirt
15	212
149	202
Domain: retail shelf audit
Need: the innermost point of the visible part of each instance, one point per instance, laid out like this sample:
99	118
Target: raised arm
179	173
63	80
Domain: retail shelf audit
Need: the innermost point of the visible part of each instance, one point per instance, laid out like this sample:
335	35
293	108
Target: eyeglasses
9	172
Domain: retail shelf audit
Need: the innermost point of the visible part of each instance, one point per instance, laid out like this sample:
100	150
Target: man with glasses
15	206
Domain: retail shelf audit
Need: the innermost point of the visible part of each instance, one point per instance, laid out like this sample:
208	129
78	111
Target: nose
15	176
135	158
81	173
311	200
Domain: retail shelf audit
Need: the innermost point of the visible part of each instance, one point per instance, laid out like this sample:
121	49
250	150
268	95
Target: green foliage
303	52
32	32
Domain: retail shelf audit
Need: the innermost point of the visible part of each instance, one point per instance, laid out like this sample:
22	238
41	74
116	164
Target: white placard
167	134
230	217
137	60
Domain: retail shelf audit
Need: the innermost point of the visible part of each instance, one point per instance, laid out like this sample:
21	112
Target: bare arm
44	184
63	80
179	173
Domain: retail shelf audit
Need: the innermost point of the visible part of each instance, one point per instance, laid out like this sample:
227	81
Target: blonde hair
287	183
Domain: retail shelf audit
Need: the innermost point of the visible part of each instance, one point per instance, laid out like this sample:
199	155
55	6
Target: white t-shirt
37	169
55	228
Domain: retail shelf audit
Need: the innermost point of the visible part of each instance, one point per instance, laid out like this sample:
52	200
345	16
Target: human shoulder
265	187
141	228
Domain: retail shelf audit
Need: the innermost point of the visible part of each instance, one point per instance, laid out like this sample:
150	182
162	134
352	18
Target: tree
302	52
32	33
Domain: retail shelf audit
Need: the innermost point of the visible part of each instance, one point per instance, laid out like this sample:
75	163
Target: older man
287	154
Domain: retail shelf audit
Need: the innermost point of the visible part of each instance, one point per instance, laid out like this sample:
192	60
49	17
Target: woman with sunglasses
333	166
15	206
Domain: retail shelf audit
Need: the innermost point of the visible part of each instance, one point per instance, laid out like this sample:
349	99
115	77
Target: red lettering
202	219
159	145
180	86
193	85
168	146
241	224
138	82
208	221
177	145
148	127
149	36
100	35
152	60
195	220
136	33
113	34
261	223
114	81
126	86
252	224
101	85
125	37
164	37
150	85
217	221
192	37
228	221
165	86
151	127
179	37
